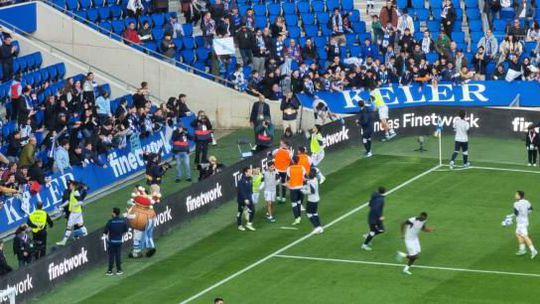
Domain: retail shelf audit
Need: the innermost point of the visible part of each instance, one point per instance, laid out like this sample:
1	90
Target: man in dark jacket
22	247
203	136
259	112
246	43
375	217
365	120
180	148
114	231
7	53
4	267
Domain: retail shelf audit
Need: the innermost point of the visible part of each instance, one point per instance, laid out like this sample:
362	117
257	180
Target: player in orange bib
282	161
296	175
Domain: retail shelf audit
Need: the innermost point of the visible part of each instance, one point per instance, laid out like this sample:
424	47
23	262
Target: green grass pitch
469	258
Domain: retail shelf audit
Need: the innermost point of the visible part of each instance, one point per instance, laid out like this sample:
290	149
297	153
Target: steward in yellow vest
38	221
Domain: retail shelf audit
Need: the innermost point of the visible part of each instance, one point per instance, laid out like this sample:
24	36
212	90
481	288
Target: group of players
295	171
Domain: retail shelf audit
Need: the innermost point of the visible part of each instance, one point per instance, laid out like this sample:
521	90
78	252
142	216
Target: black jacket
376	206
115	229
245	40
532	138
253	118
21	244
290	104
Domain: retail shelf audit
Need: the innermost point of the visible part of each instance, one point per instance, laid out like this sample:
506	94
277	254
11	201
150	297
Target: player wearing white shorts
382	110
75	218
461	127
410	229
522	208
316	146
271	180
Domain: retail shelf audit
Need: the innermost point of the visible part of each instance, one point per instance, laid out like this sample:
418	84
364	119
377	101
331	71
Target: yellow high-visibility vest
72	203
38	218
315	146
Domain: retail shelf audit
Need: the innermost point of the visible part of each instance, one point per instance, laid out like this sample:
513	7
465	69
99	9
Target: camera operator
22	247
154	171
209	168
180	149
264	135
73	200
203	136
38	221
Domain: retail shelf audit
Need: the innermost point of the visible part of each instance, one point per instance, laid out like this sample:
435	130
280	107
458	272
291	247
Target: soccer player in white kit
522	208
409	233
461	127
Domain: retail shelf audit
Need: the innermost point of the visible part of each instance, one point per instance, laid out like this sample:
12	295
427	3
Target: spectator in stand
309	52
460	60
289	107
369	50
235	20
223	28
426	43
4	266
145	32
180	149
217	9
389	15
332	49
103	107
208	28
89	87
140	98
533	33
134	8
406	41
22	247
291	52
249	20
261	51
480	62
246	43
28	153
377	29
490	44
174	28
516	30
448	17
264	135
26	107
279	28
168	48
8	52
130	34
335	23
508	47
260	111
499	73
200	8
442	45
186	9
203	136
525	10
61	157
15	97
14	146
529	70
405	22
515	70
238	78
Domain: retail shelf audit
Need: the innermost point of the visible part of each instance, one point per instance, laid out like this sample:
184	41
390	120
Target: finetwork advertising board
198	199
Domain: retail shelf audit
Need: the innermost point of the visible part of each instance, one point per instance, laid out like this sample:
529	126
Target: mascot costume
142	219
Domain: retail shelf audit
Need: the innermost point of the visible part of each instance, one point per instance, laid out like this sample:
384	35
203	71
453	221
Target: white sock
532	249
386	133
521	247
406	268
67	234
84	231
392	131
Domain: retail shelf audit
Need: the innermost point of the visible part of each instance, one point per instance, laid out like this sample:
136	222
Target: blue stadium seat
61	69
272	19
53	73
355	50
475	25
104	13
143	19
242	9
72	5
351	39
44	75
459	15
117	26
458	37
260	10
99	3
326	31
322	18
188	42
261	22
291	20
359	27
38	60
436	12
289	8
178	44
473	14
188	29
294	32
422	14
199	41
311	30
203	54
127	21
317	6
308	19
92	15
499	24
60	3
159	19
81	15
347	5
401	3
507	14
332	4
418	3
435	4
85	4
354	16
320	41
529	47
116	11
302	41
158	34
274	9
431	57
433	26
471	3
475	37
187	56
323	56
151	46
303	7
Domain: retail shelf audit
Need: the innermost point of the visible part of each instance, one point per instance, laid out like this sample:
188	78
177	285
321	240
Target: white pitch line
504	169
300	240
288	228
523	274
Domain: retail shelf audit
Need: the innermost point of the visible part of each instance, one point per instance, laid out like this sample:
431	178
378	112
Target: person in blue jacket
375	217
365	120
244	199
114	231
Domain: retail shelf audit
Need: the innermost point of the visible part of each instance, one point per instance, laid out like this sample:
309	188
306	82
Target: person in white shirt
405	22
271	180
522	208
410	229
461	127
311	189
